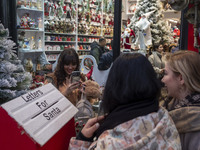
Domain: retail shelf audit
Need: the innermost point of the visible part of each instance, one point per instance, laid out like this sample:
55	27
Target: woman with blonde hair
182	80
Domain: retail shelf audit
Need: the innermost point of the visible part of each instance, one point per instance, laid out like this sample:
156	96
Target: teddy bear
92	91
90	94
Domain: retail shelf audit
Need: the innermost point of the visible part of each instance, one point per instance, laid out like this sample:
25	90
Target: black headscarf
127	112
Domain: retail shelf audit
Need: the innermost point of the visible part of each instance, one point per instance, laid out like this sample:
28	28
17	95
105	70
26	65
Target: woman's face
171	82
69	68
160	49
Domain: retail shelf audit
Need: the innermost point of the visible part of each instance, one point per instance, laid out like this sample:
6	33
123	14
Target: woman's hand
72	87
91	126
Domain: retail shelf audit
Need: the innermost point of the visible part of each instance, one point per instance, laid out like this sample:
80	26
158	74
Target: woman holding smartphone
68	62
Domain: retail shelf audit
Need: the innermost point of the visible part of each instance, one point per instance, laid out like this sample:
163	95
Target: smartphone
75	76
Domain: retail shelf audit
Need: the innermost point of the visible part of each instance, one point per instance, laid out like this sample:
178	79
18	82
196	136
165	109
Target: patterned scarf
190	100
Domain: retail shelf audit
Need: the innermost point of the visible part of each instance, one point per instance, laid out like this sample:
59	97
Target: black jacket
97	51
105	60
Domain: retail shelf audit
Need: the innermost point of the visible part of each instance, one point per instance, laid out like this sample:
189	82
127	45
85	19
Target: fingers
74	85
100	118
93	121
91	126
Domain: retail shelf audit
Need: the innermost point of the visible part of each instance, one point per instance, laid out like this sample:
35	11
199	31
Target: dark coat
186	116
97	51
105	61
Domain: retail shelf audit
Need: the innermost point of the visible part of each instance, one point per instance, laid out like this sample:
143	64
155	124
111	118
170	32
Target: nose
70	66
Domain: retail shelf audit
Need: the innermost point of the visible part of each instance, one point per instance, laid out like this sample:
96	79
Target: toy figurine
28	65
98	31
68	12
34	4
21	37
46	26
111	32
51	10
28	3
40	23
59	11
21	3
47	5
32	43
107	20
104	31
39	43
39	4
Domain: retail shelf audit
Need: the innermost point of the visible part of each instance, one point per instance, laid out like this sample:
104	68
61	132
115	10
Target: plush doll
104	31
126	36
38	81
60	11
56	27
99	31
144	37
51	10
87	16
107	20
111	32
92	91
46	8
21	37
28	65
90	95
91	30
68	12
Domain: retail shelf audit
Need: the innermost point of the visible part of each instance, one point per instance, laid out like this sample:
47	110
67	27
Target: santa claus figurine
127	37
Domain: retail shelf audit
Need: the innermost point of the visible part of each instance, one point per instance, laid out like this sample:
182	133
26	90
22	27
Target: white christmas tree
160	32
14	81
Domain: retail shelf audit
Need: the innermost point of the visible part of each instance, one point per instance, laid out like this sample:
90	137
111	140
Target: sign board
41	112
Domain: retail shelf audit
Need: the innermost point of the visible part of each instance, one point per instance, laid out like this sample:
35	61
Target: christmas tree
160	32
14	81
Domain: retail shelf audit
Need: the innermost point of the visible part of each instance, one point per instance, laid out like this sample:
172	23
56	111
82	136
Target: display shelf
53	33
29	9
85	50
60	41
78	28
86	35
31	51
30	30
72	21
98	25
108	36
53	51
79	42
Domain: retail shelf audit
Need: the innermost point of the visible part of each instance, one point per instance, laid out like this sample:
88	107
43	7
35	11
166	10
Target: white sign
41	112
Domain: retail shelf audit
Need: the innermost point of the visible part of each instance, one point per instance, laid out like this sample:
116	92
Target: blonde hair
186	63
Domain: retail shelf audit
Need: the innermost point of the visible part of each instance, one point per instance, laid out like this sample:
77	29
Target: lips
69	71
